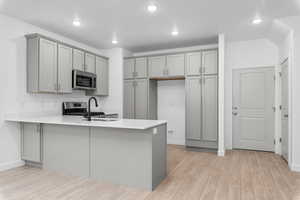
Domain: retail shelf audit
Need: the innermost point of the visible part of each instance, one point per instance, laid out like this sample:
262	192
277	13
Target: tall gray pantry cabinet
200	71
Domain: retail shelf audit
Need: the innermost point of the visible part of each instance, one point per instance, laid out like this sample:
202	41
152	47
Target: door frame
276	136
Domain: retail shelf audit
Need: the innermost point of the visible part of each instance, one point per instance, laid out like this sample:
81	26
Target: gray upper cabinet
90	63
41	65
193	108
193	64
210	62
129	68
141	99
31	142
48	66
157	66
129	99
64	69
210	108
175	65
141	70
78	59
102	72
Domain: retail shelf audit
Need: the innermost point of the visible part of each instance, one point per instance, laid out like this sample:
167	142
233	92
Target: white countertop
78	121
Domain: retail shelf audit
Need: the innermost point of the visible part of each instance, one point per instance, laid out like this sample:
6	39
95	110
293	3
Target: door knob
234	113
286	116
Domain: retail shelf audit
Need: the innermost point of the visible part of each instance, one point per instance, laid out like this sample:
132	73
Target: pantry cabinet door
194	108
193	64
141	70
141	99
129	68
210	62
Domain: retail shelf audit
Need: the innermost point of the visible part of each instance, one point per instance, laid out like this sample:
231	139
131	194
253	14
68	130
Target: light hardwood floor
191	175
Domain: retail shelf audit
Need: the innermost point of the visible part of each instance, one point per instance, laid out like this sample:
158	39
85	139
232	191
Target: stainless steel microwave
83	80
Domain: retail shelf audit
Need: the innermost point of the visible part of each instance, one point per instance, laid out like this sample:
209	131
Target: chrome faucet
89	118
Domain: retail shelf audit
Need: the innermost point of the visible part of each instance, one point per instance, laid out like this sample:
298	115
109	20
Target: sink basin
103	119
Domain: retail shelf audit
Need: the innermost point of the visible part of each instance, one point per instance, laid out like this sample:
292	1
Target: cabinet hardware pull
286	115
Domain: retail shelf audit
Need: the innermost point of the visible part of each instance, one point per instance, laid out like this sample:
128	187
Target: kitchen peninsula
124	151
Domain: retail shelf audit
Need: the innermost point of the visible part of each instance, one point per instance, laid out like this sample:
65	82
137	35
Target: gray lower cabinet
31	142
66	149
135	99
102	72
202	111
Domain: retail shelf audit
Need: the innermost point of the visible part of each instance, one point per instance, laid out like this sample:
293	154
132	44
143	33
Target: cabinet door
90	63
157	66
102	76
65	57
31	142
141	99
175	65
193	63
210	108
129	68
210	62
128	106
141	70
78	60
194	109
48	66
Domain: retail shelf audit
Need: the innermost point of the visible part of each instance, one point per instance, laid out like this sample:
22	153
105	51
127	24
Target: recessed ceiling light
175	33
257	21
152	8
114	41
76	22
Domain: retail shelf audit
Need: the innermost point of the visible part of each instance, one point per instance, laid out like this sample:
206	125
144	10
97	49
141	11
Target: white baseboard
295	168
11	165
177	141
221	153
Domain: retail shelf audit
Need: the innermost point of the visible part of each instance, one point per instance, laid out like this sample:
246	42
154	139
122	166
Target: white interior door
284	110
253	114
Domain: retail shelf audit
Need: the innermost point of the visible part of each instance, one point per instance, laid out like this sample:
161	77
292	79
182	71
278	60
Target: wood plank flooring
240	175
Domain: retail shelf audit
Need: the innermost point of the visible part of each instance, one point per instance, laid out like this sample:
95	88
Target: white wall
171	107
244	54
14	98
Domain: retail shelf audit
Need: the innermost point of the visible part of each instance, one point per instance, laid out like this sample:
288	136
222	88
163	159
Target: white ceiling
198	21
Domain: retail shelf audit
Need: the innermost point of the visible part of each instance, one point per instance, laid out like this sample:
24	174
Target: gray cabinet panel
48	66
78	59
129	68
210	62
102	72
141	70
210	108
66	149
64	69
90	63
175	65
141	99
157	66
193	108
31	142
128	105
193	63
